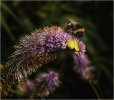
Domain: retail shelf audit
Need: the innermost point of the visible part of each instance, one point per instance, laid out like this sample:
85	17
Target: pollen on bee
73	44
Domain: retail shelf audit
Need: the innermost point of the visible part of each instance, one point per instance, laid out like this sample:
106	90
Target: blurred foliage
19	18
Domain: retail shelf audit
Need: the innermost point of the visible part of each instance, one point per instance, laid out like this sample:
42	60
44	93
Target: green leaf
9	11
7	29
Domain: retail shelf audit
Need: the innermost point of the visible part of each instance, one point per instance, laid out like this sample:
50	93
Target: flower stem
96	89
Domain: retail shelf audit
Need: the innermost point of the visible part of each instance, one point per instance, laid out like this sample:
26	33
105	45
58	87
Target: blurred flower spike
47	83
82	66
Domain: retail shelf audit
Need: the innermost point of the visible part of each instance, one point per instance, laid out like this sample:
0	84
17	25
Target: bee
74	28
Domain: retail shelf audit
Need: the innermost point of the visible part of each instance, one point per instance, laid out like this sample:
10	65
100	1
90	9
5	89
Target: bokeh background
19	18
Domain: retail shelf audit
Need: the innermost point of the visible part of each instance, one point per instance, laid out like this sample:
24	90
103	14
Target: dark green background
20	18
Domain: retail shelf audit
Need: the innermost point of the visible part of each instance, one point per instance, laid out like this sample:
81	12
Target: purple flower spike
26	87
47	83
82	66
82	47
